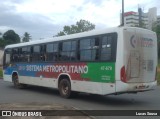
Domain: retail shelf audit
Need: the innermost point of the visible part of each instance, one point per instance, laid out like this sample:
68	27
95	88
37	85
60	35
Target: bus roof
66	37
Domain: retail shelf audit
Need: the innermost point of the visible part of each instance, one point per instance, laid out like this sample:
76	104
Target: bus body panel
122	87
96	78
140	55
138	62
7	73
7	77
119	56
133	71
93	87
38	81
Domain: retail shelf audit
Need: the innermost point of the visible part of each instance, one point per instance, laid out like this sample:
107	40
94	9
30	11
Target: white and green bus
111	61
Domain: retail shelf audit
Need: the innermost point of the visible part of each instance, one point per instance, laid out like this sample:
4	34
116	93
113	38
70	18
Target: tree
80	26
156	28
1	41
61	33
2	44
26	37
10	37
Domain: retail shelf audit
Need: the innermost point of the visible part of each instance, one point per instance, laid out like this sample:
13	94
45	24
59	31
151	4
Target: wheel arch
14	73
62	76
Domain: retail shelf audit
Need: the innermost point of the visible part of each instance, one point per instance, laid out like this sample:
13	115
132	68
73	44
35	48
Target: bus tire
16	82
65	88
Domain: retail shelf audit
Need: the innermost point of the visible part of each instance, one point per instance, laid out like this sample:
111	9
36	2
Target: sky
45	18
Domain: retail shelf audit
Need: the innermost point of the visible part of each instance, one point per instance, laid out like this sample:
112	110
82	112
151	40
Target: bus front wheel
16	82
65	88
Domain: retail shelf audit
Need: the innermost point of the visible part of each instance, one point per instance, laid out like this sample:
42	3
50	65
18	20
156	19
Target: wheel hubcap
65	89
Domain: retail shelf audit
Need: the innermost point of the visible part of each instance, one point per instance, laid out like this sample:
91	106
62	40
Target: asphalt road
141	101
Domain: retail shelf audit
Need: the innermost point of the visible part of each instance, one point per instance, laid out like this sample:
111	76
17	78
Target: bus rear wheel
65	88
16	82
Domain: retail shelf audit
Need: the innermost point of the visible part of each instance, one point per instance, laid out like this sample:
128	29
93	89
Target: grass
158	72
1	73
158	78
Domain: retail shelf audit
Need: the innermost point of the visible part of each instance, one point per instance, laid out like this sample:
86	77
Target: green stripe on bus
100	72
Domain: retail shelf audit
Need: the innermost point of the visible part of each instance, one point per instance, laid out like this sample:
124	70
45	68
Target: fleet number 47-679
106	68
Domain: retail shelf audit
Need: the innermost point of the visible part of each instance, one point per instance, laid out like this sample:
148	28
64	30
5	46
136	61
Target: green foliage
1	73
158	78
80	26
26	37
156	28
2	43
158	49
11	37
61	33
158	73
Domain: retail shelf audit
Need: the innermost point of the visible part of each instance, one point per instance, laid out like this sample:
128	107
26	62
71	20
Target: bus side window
85	52
73	55
7	57
65	52
28	54
43	52
52	52
15	55
68	51
36	53
20	55
55	51
106	47
25	54
31	53
95	49
89	49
